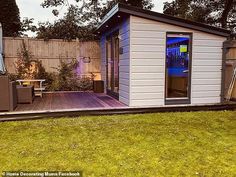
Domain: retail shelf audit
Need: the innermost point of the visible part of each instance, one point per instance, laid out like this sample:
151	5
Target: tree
81	18
27	24
10	18
221	13
68	28
94	10
143	4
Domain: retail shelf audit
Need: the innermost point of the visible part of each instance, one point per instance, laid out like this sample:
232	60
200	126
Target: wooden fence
230	64
50	52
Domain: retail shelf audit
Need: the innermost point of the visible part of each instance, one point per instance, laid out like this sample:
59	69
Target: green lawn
162	144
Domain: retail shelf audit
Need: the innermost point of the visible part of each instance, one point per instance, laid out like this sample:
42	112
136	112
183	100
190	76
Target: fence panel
50	52
230	65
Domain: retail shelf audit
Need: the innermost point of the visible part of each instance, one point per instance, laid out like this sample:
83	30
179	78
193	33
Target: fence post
77	48
26	41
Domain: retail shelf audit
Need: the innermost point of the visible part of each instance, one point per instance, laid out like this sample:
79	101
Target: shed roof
121	11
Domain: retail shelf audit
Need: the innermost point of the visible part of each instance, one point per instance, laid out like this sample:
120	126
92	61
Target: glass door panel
112	51
178	52
116	64
109	64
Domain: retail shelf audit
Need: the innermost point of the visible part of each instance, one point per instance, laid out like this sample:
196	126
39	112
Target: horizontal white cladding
124	100
147	57
148	62
147	89
124	75
124	68
206	100
124	36
125	56
150	55
204	94
207	43
124	82
149	34
206	75
206	50
156	75
124	62
148	82
143	96
147	69
144	48
147	102
124	94
206	88
125	50
148	41
158	27
206	81
206	36
125	42
207	62
198	55
125	27
211	68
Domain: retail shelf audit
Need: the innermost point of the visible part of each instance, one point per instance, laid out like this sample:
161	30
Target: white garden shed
152	59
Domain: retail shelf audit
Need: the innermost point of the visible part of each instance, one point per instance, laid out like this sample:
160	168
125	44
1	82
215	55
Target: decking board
74	100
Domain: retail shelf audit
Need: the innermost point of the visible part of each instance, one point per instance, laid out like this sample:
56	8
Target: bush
13	77
27	68
66	74
66	78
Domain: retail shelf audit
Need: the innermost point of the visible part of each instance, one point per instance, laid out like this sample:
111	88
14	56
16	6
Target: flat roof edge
173	20
112	12
165	19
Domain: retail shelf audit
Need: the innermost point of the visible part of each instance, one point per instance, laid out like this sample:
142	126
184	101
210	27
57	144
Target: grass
162	144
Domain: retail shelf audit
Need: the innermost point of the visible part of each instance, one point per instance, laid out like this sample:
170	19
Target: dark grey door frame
181	100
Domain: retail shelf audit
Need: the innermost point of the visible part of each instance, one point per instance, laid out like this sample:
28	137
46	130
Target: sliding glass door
112	54
178	68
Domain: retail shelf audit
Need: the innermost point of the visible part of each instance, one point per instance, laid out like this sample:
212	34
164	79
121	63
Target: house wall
147	63
124	74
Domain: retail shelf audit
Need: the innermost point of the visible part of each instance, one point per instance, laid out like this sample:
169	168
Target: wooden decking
74	100
84	104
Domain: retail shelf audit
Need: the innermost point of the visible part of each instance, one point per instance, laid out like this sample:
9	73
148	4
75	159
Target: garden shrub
68	80
66	72
24	63
65	79
27	68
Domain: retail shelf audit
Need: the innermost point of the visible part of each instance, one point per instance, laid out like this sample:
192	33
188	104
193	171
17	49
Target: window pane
109	64
116	64
177	63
